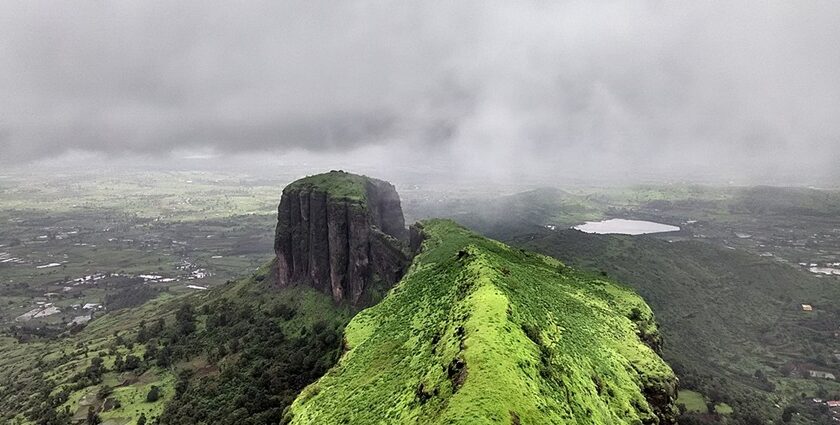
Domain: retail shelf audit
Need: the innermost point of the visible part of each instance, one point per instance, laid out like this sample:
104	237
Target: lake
620	226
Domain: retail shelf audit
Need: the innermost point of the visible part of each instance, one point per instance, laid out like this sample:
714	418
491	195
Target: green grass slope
336	184
732	321
481	333
241	355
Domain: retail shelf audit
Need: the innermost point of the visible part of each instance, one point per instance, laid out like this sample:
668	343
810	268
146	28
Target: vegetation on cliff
337	184
478	332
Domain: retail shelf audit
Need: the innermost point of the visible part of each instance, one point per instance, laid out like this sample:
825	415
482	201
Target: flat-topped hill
478	332
342	234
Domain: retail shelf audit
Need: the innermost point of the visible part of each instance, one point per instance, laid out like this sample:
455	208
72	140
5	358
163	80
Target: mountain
786	201
479	332
343	234
472	331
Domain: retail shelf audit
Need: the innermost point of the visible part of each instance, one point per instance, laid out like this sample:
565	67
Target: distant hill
786	201
510	215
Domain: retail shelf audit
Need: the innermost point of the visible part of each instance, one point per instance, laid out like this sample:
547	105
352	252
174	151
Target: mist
498	90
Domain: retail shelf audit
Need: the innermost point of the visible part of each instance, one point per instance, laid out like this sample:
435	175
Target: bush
153	395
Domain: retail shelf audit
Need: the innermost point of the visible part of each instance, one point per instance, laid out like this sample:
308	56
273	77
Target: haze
602	90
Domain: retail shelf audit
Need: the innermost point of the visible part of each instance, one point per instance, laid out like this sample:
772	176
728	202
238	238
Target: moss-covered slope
336	184
478	332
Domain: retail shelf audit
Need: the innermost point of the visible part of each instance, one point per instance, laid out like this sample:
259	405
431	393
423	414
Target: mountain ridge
478	332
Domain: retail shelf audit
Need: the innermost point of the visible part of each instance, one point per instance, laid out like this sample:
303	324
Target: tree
151	351
153	394
164	357
142	333
92	417
183	383
119	364
104	392
185	319
157	328
119	340
93	373
787	414
142	419
132	362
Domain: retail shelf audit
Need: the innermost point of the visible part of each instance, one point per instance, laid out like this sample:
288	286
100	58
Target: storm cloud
601	87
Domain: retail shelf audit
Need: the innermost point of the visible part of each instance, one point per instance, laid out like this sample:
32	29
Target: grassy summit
478	332
336	184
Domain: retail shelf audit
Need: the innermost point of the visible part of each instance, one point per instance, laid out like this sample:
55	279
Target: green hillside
239	353
731	320
478	332
336	184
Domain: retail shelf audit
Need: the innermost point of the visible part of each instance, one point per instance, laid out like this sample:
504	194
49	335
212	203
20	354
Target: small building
821	375
807	307
833	403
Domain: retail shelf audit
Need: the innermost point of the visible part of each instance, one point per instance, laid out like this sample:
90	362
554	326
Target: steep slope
726	313
478	332
239	353
732	319
342	234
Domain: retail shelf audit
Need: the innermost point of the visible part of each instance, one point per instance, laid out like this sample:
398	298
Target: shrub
153	395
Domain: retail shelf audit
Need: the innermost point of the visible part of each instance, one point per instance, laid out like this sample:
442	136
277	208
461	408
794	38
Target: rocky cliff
343	234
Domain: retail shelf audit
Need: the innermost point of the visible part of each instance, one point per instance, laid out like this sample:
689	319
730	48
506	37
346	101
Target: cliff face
342	234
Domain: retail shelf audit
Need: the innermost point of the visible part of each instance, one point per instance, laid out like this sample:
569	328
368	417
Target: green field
693	401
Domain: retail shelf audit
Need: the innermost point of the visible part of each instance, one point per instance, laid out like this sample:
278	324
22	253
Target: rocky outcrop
343	234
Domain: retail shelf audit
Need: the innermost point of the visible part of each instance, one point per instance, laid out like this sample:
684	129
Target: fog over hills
469	212
612	90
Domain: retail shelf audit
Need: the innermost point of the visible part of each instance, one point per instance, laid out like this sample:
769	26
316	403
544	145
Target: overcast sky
611	87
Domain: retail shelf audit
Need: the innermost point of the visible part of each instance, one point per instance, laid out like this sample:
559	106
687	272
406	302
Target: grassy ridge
478	332
725	314
337	185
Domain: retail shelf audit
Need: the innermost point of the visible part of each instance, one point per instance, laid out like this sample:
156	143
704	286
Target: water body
620	226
